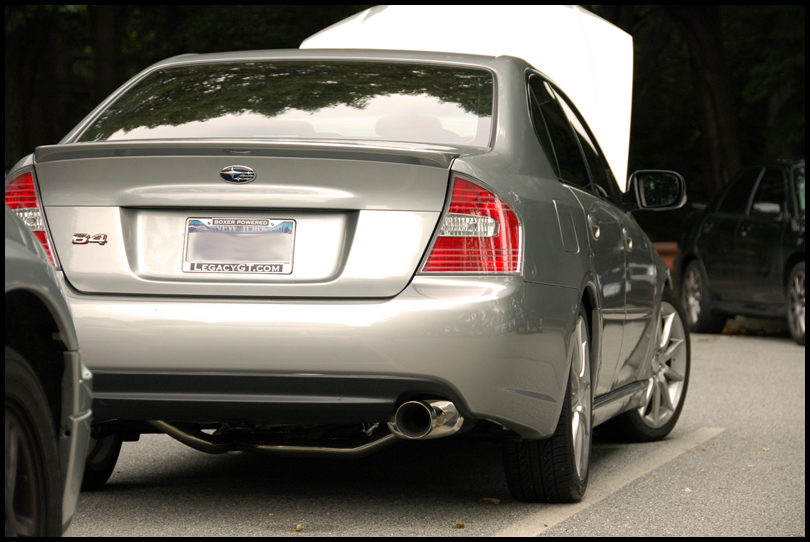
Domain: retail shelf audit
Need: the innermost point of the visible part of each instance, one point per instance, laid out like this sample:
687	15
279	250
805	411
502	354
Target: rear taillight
480	234
21	197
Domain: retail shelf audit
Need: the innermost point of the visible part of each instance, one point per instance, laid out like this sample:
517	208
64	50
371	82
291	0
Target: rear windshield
305	100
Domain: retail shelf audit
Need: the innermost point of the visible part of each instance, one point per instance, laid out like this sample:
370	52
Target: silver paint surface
366	214
465	332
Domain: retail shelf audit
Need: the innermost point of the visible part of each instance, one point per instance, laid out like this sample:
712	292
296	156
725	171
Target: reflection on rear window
798	180
305	100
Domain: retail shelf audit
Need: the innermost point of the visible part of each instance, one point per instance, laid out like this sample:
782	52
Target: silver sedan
326	252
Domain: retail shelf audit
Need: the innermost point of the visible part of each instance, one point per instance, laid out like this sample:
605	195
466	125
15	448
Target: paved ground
734	466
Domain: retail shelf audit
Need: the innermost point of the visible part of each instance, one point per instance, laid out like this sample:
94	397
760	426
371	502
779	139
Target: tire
666	388
795	303
555	470
102	455
696	300
33	476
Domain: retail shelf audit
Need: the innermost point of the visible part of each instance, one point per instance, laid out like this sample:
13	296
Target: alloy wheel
797	303
581	403
693	295
665	387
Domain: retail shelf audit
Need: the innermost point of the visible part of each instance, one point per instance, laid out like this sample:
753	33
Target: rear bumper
277	398
495	346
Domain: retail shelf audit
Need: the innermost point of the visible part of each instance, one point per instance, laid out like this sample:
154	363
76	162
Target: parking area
733	466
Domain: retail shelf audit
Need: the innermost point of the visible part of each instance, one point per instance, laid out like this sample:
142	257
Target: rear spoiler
403	153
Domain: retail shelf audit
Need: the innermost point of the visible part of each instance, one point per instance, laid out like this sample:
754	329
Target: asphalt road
733	466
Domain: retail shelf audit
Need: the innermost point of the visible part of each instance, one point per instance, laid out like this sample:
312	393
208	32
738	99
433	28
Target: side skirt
617	401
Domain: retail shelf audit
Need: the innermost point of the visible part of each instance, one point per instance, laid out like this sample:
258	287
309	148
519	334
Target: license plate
239	245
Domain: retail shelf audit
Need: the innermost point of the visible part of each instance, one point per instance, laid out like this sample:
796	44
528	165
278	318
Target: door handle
628	241
595	230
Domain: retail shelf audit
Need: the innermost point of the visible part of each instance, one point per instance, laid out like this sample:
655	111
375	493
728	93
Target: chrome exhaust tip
428	419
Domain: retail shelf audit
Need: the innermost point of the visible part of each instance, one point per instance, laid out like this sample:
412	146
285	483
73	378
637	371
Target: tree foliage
61	61
679	115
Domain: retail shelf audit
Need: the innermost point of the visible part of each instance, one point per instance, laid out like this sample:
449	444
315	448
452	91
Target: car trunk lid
357	217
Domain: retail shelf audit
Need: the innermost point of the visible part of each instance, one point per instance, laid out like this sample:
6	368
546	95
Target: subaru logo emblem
238	174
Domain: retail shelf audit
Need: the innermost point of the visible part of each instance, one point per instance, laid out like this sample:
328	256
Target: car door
641	285
718	232
640	274
759	242
604	219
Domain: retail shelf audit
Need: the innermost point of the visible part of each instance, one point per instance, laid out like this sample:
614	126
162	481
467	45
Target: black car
745	253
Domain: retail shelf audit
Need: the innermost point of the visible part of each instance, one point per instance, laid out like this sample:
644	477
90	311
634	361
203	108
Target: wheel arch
589	303
33	332
796	257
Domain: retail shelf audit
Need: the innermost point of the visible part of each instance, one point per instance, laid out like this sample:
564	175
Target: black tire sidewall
26	398
545	470
101	459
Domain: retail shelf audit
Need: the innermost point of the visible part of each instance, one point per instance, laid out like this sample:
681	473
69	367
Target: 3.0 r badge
86	238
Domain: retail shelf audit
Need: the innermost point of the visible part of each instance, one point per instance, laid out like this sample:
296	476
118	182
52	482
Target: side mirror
655	190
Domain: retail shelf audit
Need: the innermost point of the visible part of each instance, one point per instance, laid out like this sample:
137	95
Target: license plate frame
243	246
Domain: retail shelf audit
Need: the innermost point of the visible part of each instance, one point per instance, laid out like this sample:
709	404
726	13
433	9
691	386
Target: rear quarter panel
519	172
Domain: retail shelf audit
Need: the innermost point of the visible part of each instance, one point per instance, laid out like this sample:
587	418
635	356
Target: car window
541	130
798	183
738	195
569	158
770	192
305	100
596	163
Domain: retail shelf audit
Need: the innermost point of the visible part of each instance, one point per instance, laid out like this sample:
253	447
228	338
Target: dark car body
747	242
